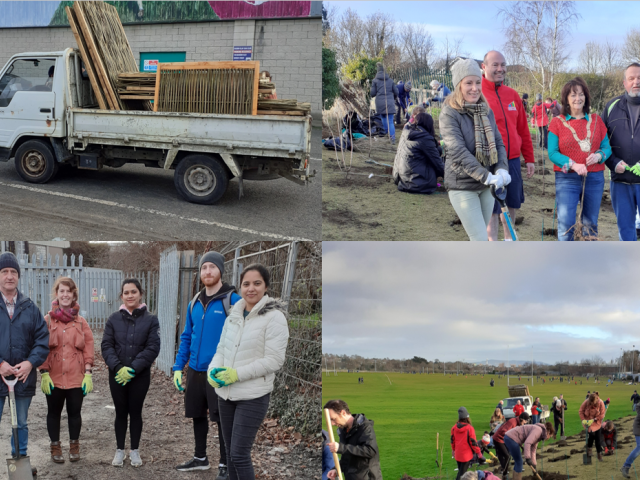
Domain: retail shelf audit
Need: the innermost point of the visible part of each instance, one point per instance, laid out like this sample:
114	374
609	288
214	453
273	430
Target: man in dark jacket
622	119
206	315
559	406
24	344
385	91
635	398
402	101
358	446
418	165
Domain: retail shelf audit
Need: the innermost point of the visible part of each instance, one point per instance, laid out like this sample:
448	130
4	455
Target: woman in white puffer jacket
251	349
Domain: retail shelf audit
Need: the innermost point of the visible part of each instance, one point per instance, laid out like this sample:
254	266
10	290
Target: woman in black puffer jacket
130	345
418	165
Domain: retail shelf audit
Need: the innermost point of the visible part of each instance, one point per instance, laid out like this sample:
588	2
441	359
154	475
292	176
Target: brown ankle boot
600	456
56	452
74	450
589	452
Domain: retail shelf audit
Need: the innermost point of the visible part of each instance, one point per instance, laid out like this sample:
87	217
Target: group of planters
485	132
514	440
232	343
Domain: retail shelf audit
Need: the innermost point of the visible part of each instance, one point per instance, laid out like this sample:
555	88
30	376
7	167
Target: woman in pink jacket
527	437
591	413
66	373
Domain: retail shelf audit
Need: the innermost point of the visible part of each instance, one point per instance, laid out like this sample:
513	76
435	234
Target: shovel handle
331	438
535	472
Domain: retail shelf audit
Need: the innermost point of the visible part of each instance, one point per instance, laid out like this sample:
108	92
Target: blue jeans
569	194
516	454
535	419
387	123
633	455
625	199
22	409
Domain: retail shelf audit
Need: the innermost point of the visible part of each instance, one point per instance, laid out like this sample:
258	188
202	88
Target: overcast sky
457	300
477	23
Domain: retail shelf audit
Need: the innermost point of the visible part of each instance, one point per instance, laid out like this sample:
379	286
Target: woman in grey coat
385	92
475	154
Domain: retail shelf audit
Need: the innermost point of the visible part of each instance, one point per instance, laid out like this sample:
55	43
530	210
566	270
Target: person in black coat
358	445
130	345
418	165
24	345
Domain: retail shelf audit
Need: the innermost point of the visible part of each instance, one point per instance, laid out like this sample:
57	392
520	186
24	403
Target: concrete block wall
289	49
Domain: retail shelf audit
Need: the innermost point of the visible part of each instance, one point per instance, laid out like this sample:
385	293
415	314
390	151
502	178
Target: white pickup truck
49	117
521	392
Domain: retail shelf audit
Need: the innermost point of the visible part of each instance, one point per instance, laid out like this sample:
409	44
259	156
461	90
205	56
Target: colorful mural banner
15	14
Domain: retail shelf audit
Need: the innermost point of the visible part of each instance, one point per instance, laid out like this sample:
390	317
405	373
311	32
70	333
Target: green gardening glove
177	380
124	375
87	384
211	378
635	169
46	385
228	376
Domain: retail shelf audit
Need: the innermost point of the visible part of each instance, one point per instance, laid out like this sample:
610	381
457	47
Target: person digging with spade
592	412
205	319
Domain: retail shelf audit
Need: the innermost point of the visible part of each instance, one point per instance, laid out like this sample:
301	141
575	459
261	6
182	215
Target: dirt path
356	207
167	440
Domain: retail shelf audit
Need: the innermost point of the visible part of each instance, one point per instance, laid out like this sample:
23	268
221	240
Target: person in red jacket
498	440
511	120
518	409
463	442
540	119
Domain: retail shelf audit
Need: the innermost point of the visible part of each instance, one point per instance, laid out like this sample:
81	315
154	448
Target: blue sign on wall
242	53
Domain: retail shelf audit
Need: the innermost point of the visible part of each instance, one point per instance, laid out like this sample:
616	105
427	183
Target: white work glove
496	180
505	176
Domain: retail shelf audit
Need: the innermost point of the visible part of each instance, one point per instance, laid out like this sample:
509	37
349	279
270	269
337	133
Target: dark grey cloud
464	300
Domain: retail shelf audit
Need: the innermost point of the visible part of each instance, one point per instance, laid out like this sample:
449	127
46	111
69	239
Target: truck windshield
511	402
31	75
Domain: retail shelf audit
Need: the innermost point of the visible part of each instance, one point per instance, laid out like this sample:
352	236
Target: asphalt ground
139	203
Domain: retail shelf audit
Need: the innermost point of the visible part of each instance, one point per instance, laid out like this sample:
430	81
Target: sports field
413	408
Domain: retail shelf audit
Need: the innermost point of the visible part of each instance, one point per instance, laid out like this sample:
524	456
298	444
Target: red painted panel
260	9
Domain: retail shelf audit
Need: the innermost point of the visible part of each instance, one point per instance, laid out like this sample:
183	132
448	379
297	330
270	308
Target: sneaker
134	455
625	472
194	464
222	473
118	460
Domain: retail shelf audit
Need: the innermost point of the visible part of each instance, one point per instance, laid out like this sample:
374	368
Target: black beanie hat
462	413
9	260
215	258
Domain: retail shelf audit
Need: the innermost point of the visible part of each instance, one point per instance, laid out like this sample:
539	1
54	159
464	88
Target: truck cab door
27	99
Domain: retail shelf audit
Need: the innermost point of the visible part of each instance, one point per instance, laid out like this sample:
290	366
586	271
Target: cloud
455	300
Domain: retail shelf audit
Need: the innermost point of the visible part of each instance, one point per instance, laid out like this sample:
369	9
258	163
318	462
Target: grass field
409	412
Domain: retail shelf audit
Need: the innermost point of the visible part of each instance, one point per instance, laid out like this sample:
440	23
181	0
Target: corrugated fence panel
168	307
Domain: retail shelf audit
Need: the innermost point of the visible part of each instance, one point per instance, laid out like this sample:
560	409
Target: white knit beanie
464	68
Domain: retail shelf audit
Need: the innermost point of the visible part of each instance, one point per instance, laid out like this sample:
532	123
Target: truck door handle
45	110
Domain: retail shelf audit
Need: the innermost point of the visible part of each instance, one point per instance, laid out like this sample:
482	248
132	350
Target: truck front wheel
35	162
201	179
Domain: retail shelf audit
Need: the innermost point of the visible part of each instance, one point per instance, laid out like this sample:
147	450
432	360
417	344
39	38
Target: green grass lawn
409	412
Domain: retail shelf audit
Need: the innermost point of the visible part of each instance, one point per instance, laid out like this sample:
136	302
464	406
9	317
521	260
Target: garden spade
500	194
331	439
535	472
19	468
586	459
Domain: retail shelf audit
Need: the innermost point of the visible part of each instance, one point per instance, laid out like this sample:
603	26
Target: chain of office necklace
585	145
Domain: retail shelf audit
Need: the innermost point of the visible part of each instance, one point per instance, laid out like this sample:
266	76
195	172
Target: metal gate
168	308
98	289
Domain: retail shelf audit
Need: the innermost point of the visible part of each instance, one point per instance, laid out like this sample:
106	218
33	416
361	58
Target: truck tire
35	162
201	179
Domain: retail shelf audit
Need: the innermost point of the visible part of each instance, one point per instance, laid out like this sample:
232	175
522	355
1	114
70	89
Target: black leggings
55	402
595	436
200	431
240	423
544	132
128	400
503	456
462	468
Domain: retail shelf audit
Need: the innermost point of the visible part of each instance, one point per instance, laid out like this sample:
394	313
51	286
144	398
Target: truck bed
262	135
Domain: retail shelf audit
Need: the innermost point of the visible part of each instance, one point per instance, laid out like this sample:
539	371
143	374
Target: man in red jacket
511	119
